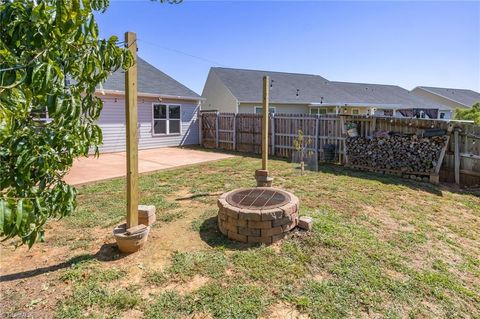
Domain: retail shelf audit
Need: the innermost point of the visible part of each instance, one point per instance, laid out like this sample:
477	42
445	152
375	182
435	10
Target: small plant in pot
301	144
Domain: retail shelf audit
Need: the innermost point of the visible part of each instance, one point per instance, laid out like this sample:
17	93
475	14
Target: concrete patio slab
110	165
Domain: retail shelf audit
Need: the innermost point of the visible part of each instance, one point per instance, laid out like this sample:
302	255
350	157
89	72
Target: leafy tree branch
51	62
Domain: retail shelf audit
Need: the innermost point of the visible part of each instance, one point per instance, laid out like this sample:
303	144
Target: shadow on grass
107	252
213	237
342	170
338	170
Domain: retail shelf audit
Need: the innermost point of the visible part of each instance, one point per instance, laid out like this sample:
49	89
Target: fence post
457	156
235	131
216	130
200	128
272	120
316	136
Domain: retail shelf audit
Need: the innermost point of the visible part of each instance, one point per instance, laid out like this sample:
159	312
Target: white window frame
167	120
271	109
45	119
318	108
326	108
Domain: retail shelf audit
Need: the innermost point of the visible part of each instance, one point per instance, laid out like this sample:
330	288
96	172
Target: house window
355	111
320	111
271	109
387	112
40	114
442	115
166	119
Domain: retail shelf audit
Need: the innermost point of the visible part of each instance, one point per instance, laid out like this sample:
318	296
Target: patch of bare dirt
187	287
284	311
29	278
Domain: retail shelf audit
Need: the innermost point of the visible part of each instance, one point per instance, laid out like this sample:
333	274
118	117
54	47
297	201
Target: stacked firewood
404	153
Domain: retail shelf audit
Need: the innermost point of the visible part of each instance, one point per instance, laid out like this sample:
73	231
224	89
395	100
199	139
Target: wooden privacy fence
460	158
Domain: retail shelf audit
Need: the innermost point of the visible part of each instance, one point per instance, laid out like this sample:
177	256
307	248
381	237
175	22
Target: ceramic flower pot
130	243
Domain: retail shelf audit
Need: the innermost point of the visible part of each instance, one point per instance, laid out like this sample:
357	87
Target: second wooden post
131	115
262	175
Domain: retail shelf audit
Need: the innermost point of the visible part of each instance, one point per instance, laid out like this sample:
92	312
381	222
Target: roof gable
465	97
378	94
150	80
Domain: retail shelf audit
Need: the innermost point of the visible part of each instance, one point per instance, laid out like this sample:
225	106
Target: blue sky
402	43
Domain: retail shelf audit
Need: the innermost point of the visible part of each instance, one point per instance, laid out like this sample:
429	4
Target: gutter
165	96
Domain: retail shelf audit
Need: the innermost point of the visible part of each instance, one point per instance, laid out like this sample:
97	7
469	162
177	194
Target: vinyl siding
112	122
217	96
443	103
279	108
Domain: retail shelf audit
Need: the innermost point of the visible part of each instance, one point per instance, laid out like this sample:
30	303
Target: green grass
90	292
381	247
221	301
185	266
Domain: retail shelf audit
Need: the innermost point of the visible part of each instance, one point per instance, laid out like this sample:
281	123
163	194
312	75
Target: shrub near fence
459	159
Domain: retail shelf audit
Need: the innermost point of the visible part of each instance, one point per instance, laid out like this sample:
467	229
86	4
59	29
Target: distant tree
51	62
472	114
301	144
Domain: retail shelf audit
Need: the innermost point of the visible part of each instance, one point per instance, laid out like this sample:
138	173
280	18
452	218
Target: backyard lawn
381	247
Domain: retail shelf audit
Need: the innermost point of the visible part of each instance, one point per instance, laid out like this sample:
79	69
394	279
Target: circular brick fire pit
257	215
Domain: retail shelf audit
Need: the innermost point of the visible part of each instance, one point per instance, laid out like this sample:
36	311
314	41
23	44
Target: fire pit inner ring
259	198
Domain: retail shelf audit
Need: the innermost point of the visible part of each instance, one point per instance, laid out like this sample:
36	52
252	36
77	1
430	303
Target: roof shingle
246	86
383	94
150	80
465	97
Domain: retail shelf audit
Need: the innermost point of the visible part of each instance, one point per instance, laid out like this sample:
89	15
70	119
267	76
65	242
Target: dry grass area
381	247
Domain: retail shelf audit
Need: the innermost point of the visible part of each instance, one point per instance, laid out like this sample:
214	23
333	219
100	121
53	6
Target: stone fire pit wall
251	224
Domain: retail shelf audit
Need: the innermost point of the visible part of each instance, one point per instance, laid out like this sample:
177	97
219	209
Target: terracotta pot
130	243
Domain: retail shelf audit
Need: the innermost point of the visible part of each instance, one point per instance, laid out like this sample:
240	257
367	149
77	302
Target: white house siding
217	96
441	101
279	108
112	122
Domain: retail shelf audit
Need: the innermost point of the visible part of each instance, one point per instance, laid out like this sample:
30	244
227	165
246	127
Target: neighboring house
167	110
240	91
387	100
453	98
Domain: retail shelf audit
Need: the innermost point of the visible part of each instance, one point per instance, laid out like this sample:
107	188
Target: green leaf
19	213
32	238
2	214
7	213
48	39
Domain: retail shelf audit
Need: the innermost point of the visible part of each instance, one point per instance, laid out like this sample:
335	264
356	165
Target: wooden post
200	128
266	87
234	132
216	130
316	138
456	141
131	117
273	134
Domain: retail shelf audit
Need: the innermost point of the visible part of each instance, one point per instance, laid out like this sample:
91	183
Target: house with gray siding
167	110
240	91
453	98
